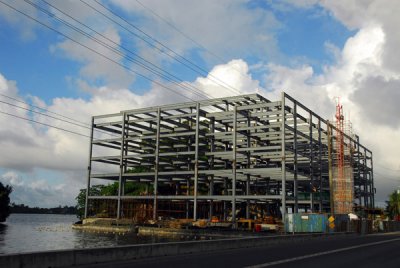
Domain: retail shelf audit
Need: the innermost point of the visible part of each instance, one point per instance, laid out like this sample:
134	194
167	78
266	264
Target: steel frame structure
235	152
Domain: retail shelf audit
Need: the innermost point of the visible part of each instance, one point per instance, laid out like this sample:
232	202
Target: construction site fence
364	226
325	223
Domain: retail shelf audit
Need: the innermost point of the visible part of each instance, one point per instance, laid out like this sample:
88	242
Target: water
39	232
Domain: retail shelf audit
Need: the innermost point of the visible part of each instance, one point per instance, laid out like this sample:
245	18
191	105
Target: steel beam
121	166
262	151
283	155
89	169
196	161
234	167
156	164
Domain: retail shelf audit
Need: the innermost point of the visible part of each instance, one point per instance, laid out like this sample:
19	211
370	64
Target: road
379	250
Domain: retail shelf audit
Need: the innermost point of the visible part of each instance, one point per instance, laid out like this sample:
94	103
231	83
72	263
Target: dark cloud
378	98
8	136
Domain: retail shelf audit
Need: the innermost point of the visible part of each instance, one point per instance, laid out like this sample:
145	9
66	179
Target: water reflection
3	229
38	232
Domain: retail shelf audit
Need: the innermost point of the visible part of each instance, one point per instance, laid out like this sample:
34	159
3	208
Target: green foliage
393	205
22	208
137	188
139	169
203	158
5	192
81	199
110	189
131	188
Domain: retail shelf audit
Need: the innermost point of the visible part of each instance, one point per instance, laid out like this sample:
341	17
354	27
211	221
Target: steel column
121	166
365	177
240	151
311	163
360	177
295	166
211	162
234	140
320	163
196	161
156	164
330	137
372	183
248	144
89	168
283	157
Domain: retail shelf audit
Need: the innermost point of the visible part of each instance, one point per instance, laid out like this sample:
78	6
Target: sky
75	59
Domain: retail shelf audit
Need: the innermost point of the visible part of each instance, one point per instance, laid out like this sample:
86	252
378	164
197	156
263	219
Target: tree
5	192
131	188
81	199
393	205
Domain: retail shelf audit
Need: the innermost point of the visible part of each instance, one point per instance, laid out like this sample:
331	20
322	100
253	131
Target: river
39	232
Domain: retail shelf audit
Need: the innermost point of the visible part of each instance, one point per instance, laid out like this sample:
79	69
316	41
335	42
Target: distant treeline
15	208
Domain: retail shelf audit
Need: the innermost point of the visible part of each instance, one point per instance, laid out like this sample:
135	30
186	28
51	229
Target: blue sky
301	35
315	50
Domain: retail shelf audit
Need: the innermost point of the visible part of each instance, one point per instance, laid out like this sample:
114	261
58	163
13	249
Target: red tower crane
340	140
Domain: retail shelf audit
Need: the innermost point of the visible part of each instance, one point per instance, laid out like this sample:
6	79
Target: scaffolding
343	180
226	158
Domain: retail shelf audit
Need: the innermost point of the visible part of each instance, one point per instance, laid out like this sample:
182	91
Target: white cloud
75	9
25	26
225	27
356	14
12	178
363	14
29	189
27	147
302	84
289	4
8	86
96	62
227	80
366	77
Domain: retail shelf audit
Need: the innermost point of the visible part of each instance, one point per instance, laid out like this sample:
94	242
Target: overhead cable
79	124
175	56
186	35
153	69
44	124
95	51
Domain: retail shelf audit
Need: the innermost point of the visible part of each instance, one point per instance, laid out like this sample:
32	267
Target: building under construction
227	158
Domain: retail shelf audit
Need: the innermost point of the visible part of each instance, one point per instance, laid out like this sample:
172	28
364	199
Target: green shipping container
306	223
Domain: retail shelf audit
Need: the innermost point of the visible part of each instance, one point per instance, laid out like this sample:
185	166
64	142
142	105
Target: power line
51	28
84	125
184	34
53	117
189	64
184	85
179	31
43	109
44	124
154	69
103	44
142	38
50	116
52	15
94	51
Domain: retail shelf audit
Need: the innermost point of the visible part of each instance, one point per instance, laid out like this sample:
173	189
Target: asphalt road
380	250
